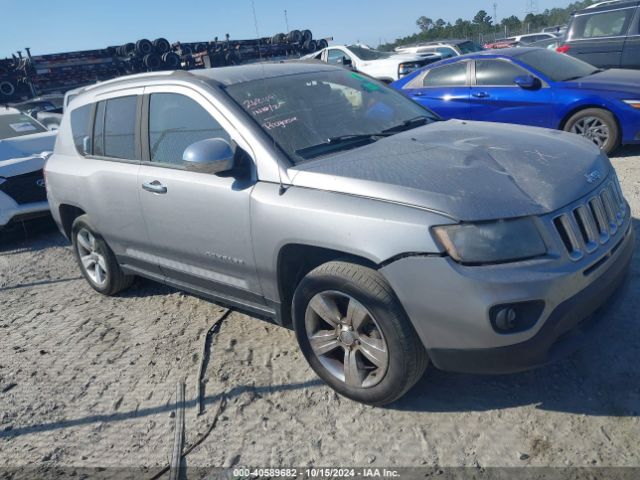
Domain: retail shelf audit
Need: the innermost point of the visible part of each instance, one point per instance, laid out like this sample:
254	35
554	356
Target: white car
445	48
531	37
25	144
385	66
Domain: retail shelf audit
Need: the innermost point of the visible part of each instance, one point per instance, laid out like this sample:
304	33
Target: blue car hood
470	171
614	79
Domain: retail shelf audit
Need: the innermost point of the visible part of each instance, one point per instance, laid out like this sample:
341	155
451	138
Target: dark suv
607	36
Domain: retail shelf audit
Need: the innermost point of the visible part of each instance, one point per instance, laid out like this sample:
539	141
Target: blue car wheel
597	125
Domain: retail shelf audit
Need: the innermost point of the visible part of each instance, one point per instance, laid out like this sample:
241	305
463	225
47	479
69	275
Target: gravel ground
90	381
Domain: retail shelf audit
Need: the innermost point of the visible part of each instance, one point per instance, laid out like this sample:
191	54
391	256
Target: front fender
375	230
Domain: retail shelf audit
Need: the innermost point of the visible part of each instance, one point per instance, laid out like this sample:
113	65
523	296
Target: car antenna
282	189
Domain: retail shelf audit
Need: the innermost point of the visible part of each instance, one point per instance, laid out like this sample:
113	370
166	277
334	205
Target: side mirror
213	155
86	145
528	82
347	62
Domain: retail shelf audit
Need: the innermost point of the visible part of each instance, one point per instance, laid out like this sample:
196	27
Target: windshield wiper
338	143
408	124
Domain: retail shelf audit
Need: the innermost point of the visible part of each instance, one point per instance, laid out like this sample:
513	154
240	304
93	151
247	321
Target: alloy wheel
91	257
592	128
346	339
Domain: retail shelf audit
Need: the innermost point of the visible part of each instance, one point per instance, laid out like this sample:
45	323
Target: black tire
161	45
322	43
310	46
129	48
116	280
295	36
278	38
407	358
606	118
7	88
144	47
152	61
171	60
200	47
307	36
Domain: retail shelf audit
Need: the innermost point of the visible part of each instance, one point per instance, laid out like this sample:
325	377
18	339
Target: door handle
417	94
154	187
480	95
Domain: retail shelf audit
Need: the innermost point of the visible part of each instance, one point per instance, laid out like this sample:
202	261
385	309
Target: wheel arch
578	108
295	260
68	214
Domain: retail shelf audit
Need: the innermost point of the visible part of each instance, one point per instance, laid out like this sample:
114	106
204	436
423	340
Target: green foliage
482	26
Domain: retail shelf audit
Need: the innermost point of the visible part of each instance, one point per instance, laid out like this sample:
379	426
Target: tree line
482	27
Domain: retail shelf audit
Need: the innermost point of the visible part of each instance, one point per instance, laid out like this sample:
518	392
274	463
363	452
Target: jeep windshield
315	114
18	124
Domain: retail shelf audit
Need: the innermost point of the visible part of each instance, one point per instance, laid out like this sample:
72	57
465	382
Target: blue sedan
533	86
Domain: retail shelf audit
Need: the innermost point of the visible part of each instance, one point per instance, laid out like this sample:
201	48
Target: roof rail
179	73
602	4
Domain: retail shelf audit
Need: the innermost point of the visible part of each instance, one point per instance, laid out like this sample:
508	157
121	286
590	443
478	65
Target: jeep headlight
491	242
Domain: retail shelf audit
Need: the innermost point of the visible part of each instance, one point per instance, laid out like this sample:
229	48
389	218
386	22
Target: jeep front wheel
355	335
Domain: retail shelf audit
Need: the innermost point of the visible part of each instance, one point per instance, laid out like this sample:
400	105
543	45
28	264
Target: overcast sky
66	25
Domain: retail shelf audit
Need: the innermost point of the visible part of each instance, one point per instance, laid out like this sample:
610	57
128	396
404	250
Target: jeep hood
470	171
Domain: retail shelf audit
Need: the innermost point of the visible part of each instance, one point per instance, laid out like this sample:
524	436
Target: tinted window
450	75
336	56
469	47
80	126
604	24
98	130
175	122
368	53
446	52
120	128
497	72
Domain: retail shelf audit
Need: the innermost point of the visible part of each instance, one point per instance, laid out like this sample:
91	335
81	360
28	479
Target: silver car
320	198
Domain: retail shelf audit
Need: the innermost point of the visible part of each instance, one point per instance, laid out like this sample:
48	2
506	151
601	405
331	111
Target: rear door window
614	23
120	128
447	76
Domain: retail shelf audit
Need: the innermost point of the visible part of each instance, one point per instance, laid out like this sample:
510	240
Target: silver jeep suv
321	198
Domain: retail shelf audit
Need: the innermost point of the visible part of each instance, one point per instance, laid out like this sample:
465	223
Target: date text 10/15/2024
315	472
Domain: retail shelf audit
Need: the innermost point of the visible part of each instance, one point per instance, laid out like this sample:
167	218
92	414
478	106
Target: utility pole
531	6
286	20
495	18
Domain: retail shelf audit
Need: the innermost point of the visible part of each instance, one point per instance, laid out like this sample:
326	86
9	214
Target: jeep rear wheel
355	335
97	262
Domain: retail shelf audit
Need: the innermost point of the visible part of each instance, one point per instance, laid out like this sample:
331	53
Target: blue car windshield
556	66
314	114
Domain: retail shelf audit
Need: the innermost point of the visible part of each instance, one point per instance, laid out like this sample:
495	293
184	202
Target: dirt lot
87	380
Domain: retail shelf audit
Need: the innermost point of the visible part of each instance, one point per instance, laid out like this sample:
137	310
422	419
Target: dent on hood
468	170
